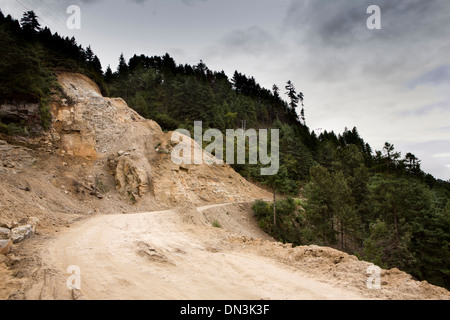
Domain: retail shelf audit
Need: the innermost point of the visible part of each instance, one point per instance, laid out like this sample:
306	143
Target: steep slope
99	156
99	160
137	151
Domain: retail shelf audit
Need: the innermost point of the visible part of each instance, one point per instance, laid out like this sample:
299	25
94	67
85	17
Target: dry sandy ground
178	255
162	255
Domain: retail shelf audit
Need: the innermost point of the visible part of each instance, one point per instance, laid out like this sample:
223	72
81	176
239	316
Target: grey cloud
249	40
442	106
444	128
191	3
438	76
253	41
343	22
334	35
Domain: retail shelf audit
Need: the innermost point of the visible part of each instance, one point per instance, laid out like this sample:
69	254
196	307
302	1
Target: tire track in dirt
154	256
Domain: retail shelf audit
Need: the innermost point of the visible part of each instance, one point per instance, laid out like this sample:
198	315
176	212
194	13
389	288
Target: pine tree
390	157
276	91
343	208
430	242
320	205
109	74
377	242
412	163
301	98
302	116
96	65
122	68
30	22
139	104
292	94
89	54
278	183
391	199
123	75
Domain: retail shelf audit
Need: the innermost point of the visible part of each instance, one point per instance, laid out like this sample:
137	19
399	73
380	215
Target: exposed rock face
87	124
21	233
18	110
132	177
31	221
137	151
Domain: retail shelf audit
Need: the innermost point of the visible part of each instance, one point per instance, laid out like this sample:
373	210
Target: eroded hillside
99	160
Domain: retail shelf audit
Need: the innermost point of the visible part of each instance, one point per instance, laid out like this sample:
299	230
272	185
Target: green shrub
288	220
264	215
261	209
13	129
216	224
166	122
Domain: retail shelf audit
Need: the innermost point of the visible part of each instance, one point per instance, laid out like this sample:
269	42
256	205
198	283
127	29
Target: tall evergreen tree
89	54
320	205
344	209
301	98
109	74
292	94
30	22
276	91
122	68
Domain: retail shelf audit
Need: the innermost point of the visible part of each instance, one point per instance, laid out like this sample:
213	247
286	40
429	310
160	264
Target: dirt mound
346	271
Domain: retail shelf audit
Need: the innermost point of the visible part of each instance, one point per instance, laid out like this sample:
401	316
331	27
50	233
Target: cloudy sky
392	84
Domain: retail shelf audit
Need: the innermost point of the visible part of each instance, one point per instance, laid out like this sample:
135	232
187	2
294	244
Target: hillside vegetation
378	205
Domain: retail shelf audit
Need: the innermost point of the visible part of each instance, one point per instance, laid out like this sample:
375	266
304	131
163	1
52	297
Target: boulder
32	221
5	246
21	233
132	176
4	233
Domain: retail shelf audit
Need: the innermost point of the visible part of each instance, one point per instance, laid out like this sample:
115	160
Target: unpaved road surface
159	255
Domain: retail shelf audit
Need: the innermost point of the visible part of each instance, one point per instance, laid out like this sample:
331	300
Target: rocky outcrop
21	111
85	123
31	221
18	231
21	233
137	151
132	177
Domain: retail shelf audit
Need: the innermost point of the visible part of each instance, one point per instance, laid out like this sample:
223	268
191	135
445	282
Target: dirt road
159	255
